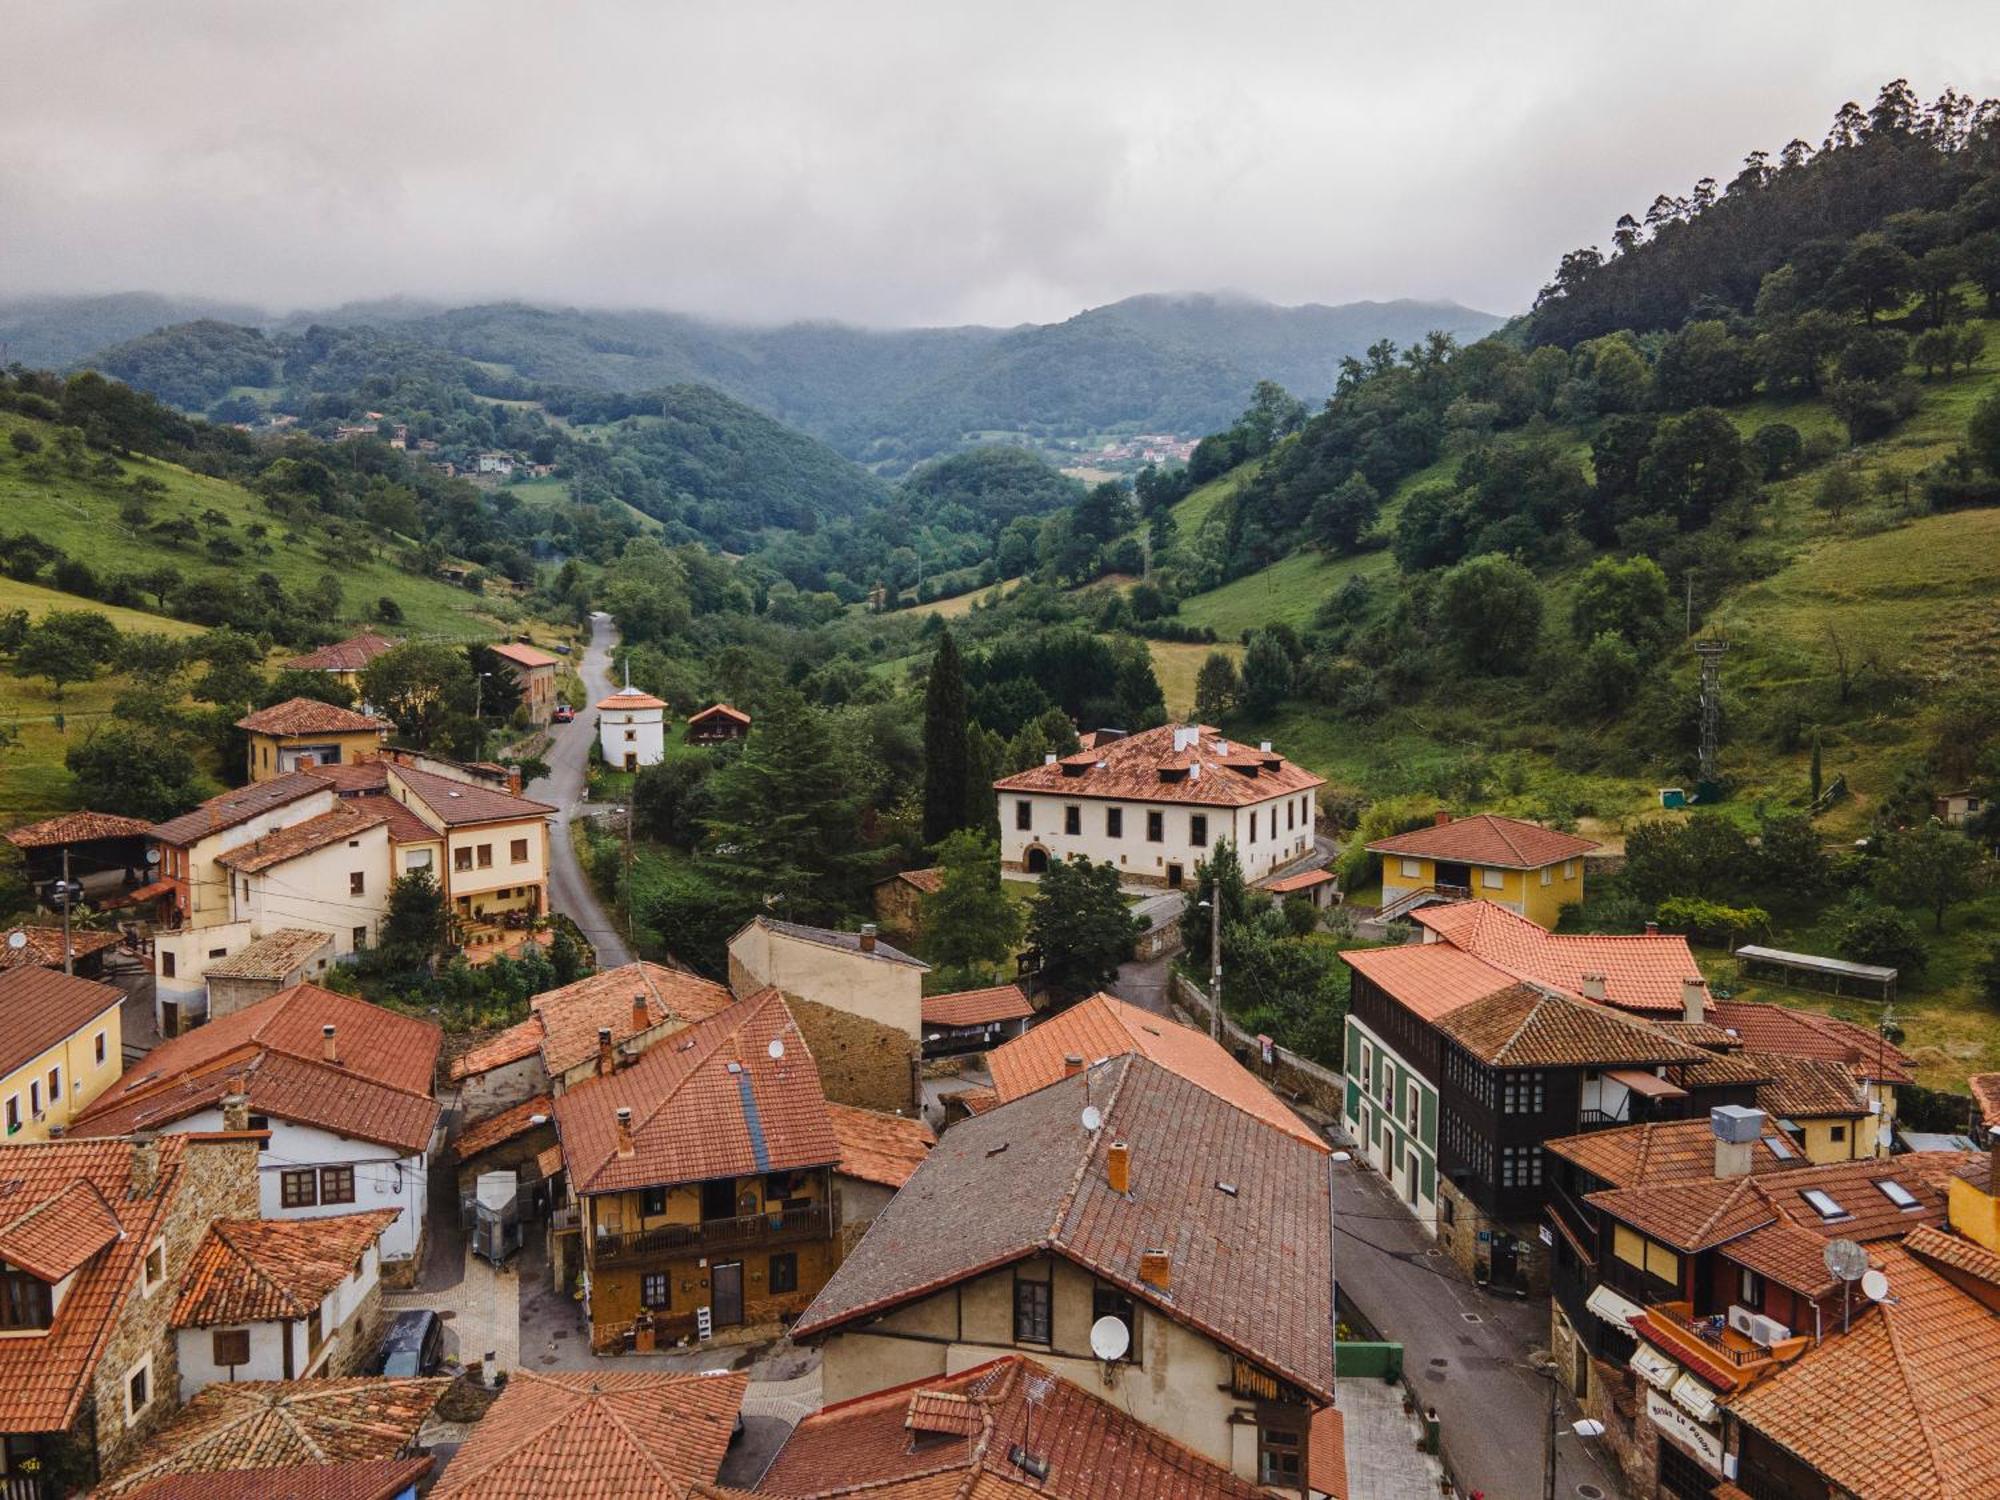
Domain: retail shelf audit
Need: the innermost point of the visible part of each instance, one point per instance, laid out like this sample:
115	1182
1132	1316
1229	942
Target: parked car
414	1344
564	713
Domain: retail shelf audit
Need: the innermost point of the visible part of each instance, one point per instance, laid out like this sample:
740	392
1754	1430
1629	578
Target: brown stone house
899	900
95	1236
1201	1229
701	1183
535	670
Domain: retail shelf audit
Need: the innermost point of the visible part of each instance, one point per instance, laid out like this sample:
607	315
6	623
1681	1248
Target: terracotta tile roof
1305	880
1804	1033
261	1424
709	1101
522	1039
930	881
1485	839
298	716
977	1099
372	1479
597	1435
405	827
719	710
497	1130
1986	1094
350	655
39	1007
1642	971
1699	1033
1104	1026
1147	767
571	1017
1904	1404
630	698
827	937
1722	1069
76	828
876	1445
1633	1156
977	1007
350	777
238	805
1940	1249
44	948
378	1091
524	655
878	1148
44	1380
271	957
458	802
1326	1457
1789	1254
1690	1216
1526	1027
1806	1088
1696	1215
52	1238
1248	1268
258	1270
300	839
1429	979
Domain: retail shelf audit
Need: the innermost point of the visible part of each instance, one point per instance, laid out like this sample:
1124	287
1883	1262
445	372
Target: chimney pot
1652	929
640	1018
867	937
145	1166
328	1047
1118	1167
1593	987
1265	746
606	1058
1694	1000
1156	1269
1441	817
1072	1065
624	1131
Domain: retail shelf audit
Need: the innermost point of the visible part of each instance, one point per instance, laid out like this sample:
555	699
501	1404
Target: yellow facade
1539	895
1973	1213
273	755
86	1062
1825	1141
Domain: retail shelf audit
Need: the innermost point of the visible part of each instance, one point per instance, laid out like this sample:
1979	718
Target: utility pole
1549	1463
631	816
69	956
1214	955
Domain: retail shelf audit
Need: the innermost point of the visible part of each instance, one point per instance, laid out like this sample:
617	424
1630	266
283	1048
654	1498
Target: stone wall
1460	1224
1288	1075
359	1340
860	1061
216	1179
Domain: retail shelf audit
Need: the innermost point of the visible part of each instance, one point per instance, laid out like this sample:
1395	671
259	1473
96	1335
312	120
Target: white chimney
1265	746
1593	987
1185	738
1736	1128
1694	999
1049	759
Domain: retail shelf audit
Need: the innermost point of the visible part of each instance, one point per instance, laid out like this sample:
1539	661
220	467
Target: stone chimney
1736	1129
305	762
867	937
1694	1000
624	1131
1156	1269
607	1060
1593	987
235	1110
1441	817
1072	1064
640	1019
514	780
1118	1167
145	1165
329	1048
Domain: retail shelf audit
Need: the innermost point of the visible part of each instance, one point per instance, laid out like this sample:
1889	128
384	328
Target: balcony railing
23	1487
744	1232
1711	1336
1597	1119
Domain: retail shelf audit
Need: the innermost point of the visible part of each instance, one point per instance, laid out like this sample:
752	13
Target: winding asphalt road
569	765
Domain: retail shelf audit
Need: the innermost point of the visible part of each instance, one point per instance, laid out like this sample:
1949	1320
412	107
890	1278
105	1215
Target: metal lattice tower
1711	653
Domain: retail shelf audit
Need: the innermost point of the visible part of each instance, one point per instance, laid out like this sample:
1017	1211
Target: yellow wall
1974	1214
1821	1148
1519	890
83	1077
264	748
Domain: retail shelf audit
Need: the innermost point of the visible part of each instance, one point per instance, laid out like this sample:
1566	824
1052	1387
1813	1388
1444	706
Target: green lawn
1176	663
1290	590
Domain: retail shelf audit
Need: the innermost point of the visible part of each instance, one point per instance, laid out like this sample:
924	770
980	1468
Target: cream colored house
859	1002
1154	804
305	732
60	1047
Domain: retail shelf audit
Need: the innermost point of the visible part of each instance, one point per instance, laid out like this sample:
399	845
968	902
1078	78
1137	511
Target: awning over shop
1655	1368
1694	1398
1613	1308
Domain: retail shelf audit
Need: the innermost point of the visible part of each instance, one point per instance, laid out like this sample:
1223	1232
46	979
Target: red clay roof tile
259	1270
1130	770
1486	839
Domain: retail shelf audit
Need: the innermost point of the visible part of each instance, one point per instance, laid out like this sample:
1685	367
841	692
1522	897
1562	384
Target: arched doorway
1038	859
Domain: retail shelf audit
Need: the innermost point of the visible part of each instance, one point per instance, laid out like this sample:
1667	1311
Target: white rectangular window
1548	874
1492	879
1411	868
1569	869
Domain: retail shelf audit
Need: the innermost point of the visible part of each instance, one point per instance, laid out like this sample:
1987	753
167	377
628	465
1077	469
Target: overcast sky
928	162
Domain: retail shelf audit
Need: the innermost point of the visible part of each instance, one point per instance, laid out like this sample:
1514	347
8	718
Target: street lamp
1543	1363
1214	908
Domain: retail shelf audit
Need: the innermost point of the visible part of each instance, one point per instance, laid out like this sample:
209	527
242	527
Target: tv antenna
1848	1263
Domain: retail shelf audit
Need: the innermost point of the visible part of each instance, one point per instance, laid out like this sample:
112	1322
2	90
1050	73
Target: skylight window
1781	1148
1897	1194
1824	1204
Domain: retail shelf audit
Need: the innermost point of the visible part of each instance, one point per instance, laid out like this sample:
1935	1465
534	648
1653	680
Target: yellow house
304	732
1532	871
60	1047
1972	1210
343	660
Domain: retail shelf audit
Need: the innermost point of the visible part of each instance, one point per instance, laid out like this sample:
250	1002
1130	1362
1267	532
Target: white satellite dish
777	1049
152	856
1874	1286
1093	1118
1110	1338
17	940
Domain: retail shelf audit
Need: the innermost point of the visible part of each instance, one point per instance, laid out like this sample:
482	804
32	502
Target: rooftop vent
1049	759
1265	746
1186	737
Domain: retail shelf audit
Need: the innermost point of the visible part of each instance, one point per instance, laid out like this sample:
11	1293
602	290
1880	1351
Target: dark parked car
414	1344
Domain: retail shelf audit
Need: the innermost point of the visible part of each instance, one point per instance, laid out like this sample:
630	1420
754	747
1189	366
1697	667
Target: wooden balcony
23	1487
715	1236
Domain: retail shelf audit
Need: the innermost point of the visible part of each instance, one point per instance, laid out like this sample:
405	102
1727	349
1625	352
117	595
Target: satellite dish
777	1049
1093	1117
1874	1286
152	856
1845	1260
1110	1338
17	940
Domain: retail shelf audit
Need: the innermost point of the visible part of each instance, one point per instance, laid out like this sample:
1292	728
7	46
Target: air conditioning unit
1768	1331
1740	1319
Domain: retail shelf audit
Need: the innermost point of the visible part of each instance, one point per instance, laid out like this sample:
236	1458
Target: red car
564	713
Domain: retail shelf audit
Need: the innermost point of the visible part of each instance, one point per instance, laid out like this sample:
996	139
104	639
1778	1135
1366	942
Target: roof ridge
1068	1199
283	1409
242	1255
1944	1484
595	1402
1542	998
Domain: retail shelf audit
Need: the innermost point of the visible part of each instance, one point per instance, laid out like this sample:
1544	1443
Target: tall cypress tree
945	793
